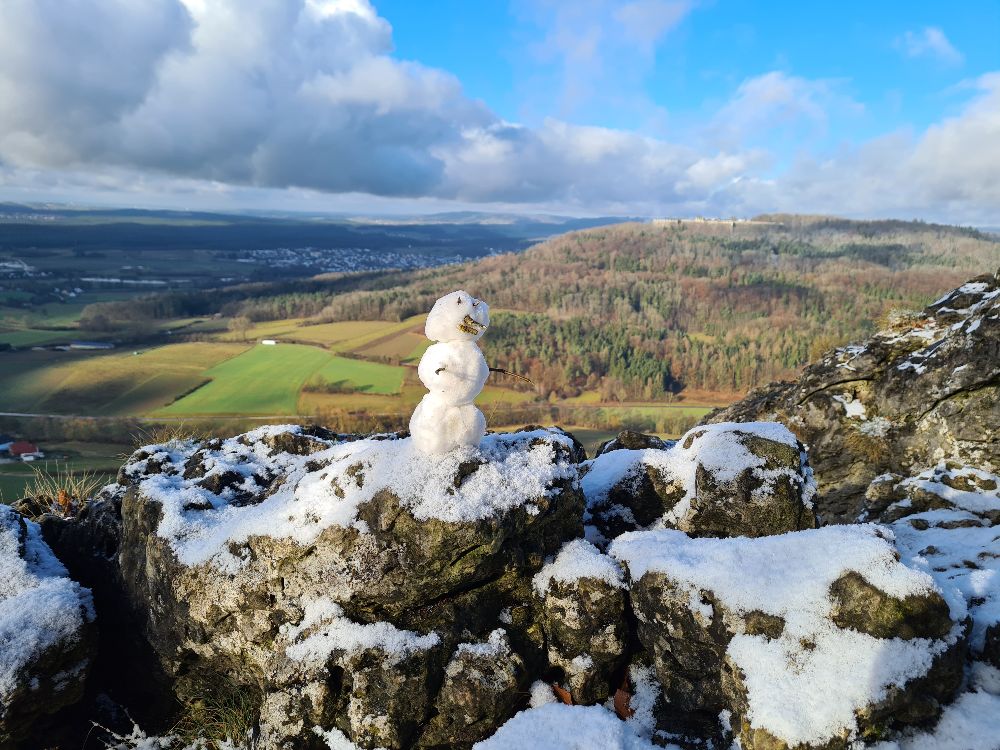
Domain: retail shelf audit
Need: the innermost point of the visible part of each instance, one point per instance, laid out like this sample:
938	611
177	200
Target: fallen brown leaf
622	701
562	694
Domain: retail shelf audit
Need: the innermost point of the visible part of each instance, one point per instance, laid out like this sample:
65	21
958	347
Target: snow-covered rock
585	622
776	630
337	577
921	391
47	631
946	521
718	480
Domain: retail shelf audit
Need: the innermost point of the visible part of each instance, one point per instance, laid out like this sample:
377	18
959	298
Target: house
268	342
25	451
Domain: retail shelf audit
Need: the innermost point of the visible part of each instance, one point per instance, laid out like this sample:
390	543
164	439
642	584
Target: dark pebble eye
459	300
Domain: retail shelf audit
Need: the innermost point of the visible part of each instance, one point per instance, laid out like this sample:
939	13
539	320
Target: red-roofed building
24	450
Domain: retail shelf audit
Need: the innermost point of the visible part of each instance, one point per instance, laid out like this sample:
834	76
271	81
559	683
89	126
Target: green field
36	337
267	380
359	375
105	383
262	380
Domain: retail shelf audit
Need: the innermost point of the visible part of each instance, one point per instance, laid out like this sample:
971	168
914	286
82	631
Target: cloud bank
306	94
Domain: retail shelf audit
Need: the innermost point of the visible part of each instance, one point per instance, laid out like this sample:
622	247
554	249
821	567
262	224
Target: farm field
115	383
361	376
262	380
267	380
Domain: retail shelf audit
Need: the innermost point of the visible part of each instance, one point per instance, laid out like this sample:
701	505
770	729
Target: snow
541	693
645	692
955	545
852	406
329	631
972	722
556	725
512	474
335	739
717	448
40	606
979	500
496	643
798	694
578	559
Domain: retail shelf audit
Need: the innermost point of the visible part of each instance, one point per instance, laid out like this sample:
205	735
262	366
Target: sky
586	107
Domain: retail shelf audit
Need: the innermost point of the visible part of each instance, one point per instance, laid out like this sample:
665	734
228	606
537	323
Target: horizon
647	108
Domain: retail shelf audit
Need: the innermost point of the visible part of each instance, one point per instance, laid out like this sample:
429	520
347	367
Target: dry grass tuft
62	492
221	718
167	433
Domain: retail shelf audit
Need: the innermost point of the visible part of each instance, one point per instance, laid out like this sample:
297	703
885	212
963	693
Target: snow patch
578	559
556	725
330	631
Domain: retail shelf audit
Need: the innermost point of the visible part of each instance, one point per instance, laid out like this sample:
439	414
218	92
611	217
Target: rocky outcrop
347	591
772	633
720	480
47	631
340	579
926	388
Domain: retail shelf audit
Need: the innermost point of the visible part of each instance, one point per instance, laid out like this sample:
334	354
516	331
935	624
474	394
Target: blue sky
652	107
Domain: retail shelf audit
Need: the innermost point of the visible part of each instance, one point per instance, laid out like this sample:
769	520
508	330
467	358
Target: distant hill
641	310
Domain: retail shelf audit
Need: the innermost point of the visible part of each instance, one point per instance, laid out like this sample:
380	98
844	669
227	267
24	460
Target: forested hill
642	310
637	310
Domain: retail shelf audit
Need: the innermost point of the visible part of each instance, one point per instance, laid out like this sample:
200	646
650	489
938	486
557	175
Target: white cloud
162	99
930	42
592	56
647	21
776	101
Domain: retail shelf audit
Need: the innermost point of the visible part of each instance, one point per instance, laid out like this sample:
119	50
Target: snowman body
454	371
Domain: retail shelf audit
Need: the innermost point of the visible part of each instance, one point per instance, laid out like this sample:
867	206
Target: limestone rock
633	441
359	549
47	631
925	389
772	631
584	606
946	520
483	684
720	480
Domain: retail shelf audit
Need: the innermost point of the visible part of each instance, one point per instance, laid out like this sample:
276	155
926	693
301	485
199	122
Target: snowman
454	370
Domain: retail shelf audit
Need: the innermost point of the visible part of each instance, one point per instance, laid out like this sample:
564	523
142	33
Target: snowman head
457	317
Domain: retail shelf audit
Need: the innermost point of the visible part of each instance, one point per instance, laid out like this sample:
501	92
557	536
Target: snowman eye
459	300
